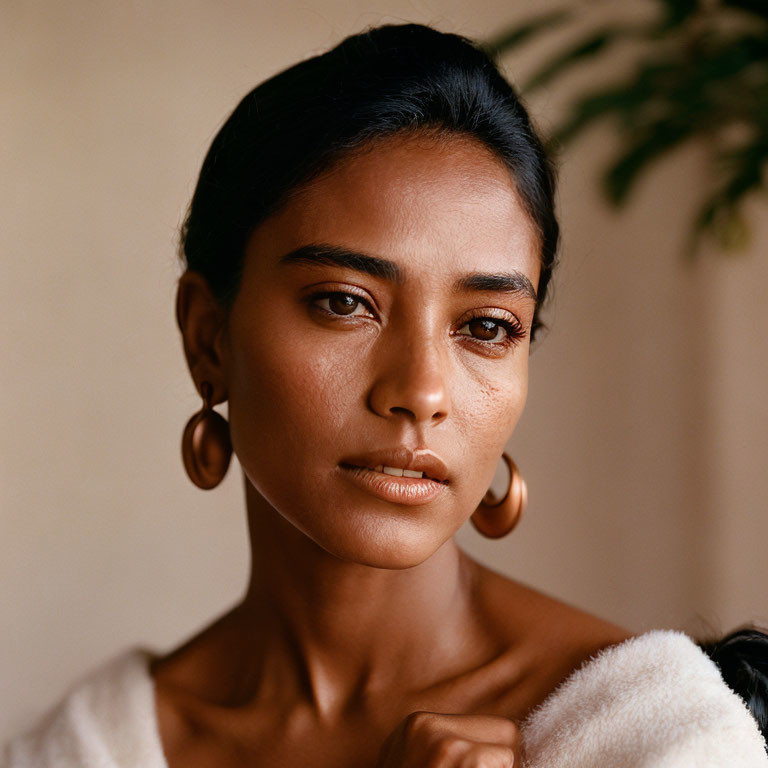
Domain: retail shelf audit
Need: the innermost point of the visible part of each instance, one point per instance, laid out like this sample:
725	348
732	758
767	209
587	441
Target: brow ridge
334	255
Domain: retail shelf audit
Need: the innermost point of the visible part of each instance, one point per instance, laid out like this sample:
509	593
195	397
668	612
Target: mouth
403	465
383	469
397	485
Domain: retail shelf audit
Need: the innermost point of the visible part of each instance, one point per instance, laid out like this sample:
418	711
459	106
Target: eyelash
513	330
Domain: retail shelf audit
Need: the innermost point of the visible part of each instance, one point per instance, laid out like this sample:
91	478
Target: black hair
386	80
742	657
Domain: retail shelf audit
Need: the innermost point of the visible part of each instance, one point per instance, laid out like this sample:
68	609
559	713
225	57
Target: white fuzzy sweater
655	701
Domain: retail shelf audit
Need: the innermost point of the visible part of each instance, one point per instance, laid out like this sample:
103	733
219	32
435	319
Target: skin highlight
359	610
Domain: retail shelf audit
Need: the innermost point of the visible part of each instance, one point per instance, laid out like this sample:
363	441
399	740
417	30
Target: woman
367	253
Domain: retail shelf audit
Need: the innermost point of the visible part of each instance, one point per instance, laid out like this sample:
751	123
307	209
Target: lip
400	490
417	459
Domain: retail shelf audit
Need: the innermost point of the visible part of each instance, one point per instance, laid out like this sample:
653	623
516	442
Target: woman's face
384	316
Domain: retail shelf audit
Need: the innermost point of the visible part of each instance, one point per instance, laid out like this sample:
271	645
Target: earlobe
201	320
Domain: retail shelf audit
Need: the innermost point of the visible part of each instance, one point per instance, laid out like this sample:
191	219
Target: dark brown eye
493	331
486	329
342	303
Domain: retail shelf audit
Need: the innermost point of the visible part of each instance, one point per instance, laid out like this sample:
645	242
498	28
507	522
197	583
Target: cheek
282	397
488	415
292	396
496	395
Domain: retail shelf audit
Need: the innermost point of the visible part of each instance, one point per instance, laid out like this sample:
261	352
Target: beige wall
643	442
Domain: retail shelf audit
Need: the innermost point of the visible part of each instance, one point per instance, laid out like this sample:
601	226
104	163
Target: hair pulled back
742	657
293	126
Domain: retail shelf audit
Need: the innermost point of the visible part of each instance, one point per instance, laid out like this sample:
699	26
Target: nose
412	380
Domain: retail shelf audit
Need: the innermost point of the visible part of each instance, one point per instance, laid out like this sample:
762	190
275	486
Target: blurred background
644	441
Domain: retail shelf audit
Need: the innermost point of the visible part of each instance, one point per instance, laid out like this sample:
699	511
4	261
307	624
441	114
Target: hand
432	740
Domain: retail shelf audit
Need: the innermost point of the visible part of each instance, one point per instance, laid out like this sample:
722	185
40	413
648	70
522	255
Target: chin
394	546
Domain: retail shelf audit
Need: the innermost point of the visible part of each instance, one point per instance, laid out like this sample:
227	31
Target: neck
340	631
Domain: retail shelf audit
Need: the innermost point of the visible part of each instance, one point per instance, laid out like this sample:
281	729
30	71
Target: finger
455	752
486	756
491	729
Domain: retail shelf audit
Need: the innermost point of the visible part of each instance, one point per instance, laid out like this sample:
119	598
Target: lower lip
401	490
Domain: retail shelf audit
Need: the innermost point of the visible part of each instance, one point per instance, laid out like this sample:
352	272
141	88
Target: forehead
420	200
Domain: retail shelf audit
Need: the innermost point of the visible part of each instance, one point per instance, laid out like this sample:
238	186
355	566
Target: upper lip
417	459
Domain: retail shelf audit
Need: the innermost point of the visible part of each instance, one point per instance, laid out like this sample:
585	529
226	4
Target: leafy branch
702	73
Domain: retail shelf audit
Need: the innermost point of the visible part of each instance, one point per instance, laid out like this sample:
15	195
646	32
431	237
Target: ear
202	322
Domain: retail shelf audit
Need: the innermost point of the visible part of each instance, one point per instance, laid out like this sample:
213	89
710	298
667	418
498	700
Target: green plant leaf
713	88
664	137
748	164
584	49
720	215
515	36
756	7
702	73
613	100
678	11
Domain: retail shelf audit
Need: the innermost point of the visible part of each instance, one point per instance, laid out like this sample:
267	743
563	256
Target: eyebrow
333	255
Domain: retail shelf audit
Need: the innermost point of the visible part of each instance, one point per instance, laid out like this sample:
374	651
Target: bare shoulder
190	682
512	604
546	638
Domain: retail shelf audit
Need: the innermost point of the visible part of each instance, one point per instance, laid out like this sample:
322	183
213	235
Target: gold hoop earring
495	518
206	447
